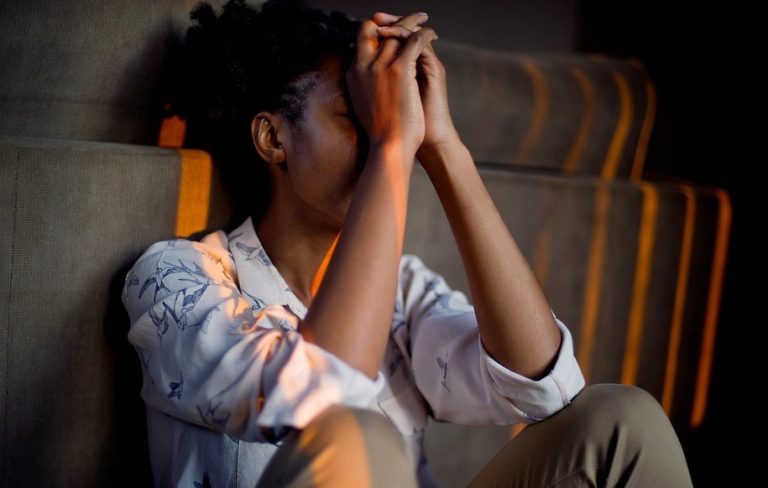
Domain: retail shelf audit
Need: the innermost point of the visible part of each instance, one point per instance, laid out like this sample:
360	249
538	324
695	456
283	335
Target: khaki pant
609	436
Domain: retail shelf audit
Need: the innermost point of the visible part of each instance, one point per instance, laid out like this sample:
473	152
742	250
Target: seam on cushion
8	308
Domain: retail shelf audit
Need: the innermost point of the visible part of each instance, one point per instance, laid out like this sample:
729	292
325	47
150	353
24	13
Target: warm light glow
399	182
594	279
194	192
615	149
320	273
325	468
646	241
516	429
676	328
581	138
539	111
645	130
713	308
172	132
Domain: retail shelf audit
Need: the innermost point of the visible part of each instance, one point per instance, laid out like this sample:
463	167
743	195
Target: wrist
433	154
391	151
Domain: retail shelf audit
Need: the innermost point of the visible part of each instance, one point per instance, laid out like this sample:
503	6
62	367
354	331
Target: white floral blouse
226	374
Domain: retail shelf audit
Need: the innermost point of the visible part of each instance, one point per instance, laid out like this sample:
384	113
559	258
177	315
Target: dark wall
514	25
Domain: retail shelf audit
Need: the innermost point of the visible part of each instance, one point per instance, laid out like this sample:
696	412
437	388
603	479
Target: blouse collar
257	275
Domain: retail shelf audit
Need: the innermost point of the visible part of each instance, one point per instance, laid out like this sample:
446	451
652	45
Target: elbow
539	398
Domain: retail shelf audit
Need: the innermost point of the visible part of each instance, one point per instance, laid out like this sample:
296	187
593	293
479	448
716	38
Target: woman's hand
383	87
439	128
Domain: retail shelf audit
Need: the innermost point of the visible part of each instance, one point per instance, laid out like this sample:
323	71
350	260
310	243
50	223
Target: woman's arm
515	321
351	314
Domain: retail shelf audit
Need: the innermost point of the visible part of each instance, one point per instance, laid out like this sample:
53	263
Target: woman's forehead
330	81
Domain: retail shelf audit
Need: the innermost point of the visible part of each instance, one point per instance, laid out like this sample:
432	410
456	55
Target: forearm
351	314
515	321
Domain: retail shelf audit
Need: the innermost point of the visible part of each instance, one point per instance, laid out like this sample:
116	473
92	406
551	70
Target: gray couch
632	266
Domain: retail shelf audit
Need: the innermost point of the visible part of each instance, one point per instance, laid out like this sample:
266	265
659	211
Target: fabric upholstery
76	216
571	113
79	217
85	70
559	223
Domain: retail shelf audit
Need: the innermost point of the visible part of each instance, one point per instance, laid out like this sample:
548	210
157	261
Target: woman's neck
297	247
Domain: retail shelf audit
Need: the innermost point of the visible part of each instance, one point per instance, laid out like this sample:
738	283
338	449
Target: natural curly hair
243	61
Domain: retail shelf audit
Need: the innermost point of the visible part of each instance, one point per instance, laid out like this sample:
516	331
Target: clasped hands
397	85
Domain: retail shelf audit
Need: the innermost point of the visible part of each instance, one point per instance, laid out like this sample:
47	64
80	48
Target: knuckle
414	38
377	67
368	25
428	32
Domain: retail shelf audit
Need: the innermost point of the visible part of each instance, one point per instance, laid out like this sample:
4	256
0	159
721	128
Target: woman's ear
265	131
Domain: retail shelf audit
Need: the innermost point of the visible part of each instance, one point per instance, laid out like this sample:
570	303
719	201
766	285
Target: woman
303	348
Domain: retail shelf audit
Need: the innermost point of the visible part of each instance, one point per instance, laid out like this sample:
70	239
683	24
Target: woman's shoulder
215	243
415	273
172	265
411	264
209	257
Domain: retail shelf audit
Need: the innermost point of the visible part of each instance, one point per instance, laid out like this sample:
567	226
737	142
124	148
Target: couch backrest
570	113
628	266
609	255
85	69
76	215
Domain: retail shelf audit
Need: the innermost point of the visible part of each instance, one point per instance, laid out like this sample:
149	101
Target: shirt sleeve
216	358
459	379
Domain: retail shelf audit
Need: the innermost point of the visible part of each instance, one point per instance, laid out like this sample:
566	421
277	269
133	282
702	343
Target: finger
428	63
396	31
412	20
383	18
367	42
407	24
415	44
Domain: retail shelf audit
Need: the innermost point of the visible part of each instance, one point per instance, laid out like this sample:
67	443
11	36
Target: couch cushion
631	268
563	112
76	216
611	257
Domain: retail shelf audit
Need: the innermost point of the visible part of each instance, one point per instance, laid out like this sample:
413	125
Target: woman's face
324	157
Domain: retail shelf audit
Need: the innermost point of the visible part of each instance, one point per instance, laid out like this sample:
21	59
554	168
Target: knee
341	446
339	423
624	401
628	406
